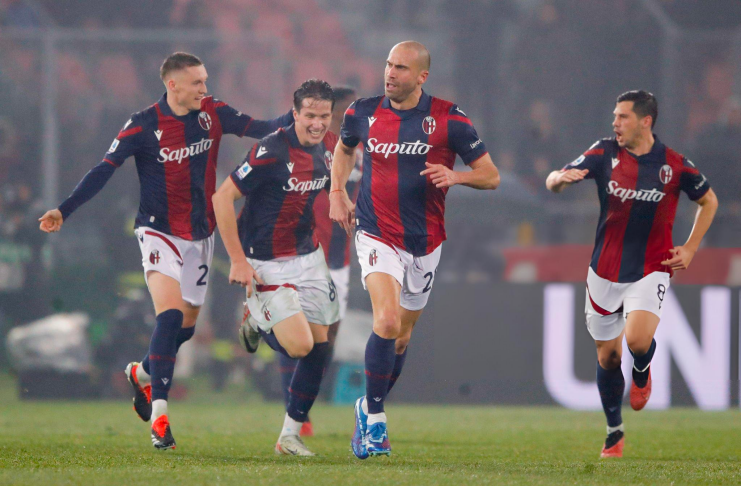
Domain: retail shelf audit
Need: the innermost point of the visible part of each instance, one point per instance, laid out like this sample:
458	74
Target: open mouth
316	133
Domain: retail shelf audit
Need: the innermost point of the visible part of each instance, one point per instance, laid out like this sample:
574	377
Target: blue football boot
377	440
358	436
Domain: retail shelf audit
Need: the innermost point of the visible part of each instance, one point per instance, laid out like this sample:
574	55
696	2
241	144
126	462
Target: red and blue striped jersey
332	237
638	198
395	202
281	179
176	162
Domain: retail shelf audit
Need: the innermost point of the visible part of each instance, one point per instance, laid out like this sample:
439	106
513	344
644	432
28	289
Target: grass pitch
230	441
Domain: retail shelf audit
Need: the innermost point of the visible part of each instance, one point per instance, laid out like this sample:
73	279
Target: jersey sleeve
254	170
237	123
462	136
127	143
692	181
350	133
591	160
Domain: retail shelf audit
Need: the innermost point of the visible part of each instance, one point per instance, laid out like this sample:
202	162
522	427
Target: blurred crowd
538	77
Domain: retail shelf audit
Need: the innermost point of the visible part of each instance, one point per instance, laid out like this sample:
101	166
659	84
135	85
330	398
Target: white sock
610	430
290	427
364	406
142	377
374	418
159	408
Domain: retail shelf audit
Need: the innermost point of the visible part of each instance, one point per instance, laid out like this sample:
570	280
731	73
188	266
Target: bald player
410	142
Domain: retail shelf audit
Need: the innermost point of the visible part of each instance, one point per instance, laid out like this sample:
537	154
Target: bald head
422	55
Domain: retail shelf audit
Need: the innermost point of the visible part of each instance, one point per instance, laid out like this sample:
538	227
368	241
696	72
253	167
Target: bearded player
410	142
639	180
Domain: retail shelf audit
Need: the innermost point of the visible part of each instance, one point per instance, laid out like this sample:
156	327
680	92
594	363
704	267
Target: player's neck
410	102
643	145
177	110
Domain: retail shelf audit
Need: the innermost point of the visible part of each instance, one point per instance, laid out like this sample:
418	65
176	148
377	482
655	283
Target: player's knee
388	324
609	360
638	344
300	349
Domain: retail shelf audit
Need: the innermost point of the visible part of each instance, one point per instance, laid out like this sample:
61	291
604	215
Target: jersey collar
424	105
167	111
656	151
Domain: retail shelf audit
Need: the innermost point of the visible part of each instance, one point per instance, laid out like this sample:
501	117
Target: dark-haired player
175	144
294	300
639	180
410	141
334	241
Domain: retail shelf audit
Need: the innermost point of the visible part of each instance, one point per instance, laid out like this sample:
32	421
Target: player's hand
572	176
440	175
51	221
342	211
242	273
681	258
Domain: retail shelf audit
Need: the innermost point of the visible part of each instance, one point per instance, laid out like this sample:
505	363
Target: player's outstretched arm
341	208
89	186
682	255
484	174
241	271
559	179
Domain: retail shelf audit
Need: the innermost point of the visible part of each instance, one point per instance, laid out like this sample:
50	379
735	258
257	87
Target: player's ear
295	114
422	78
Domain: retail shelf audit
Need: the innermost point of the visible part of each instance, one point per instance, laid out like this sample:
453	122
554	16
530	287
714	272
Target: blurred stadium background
504	325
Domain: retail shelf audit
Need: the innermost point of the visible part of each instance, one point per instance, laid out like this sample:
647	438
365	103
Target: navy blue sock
162	350
287	368
380	357
611	384
398	365
269	337
184	335
306	381
642	362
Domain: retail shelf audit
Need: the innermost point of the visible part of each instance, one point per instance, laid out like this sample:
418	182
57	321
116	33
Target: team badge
154	257
267	314
328	157
428	125
373	258
204	120
665	174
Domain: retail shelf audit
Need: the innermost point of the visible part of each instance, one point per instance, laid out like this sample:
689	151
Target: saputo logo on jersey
654	195
177	155
305	186
406	148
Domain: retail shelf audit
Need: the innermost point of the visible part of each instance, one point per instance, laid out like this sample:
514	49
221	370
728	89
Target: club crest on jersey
204	119
665	174
428	125
328	157
154	257
373	258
